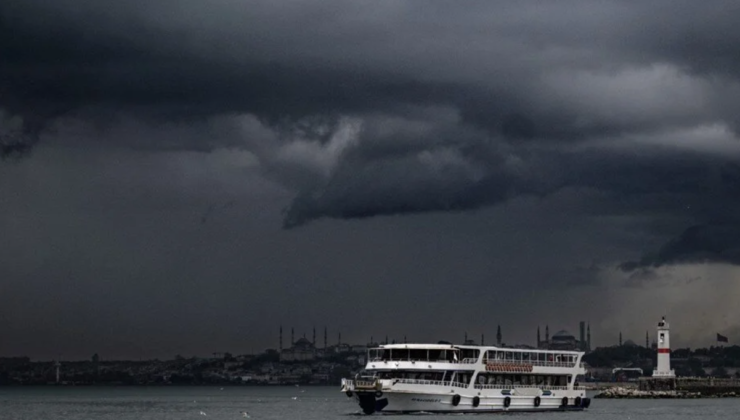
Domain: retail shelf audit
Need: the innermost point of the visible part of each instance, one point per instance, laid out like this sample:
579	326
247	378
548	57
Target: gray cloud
517	86
507	121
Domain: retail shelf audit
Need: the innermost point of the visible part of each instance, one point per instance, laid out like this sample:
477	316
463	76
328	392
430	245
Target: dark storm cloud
304	59
455	106
697	244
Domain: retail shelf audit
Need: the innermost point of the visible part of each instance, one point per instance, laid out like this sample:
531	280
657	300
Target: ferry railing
428	382
360	383
542	387
419	382
544	363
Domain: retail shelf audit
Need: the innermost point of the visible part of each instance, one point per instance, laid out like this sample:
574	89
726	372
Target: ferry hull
409	402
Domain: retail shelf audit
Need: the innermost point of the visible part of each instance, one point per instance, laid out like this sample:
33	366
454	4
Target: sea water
299	403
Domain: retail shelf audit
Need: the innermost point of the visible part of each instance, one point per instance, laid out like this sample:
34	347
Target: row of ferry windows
433	355
508	379
470	354
481	378
527	357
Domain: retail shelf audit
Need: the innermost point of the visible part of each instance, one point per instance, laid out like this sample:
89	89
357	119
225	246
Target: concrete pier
677	388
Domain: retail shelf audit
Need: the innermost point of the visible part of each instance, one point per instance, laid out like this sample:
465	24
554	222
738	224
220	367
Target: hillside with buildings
306	362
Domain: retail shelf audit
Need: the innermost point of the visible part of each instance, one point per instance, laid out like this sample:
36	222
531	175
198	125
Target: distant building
301	350
564	340
629	343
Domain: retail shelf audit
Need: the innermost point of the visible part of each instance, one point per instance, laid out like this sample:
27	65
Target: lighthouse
663	370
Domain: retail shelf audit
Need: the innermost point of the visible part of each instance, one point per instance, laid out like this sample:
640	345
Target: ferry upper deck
467	354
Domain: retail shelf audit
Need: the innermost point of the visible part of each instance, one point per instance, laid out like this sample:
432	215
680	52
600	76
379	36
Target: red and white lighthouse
663	370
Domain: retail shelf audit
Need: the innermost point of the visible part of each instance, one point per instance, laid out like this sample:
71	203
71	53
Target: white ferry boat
448	378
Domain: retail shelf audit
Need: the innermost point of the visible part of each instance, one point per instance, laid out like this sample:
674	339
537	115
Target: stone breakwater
621	392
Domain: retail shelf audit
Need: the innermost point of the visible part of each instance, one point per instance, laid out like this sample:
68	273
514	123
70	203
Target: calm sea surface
310	403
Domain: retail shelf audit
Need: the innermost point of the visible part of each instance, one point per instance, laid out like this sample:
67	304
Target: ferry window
471	354
418	354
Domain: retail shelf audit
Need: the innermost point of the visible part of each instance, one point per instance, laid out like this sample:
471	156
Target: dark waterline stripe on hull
498	411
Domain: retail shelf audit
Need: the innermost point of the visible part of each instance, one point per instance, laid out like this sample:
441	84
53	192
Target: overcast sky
183	177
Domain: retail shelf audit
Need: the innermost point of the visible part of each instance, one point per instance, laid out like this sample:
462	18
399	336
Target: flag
721	338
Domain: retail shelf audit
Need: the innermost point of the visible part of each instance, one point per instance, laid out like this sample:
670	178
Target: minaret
663	369
404	339
466	338
325	339
281	338
538	337
647	340
339	339
292	336
620	338
498	336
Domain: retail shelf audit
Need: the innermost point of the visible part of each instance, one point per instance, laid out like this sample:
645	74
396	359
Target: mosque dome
563	335
303	342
